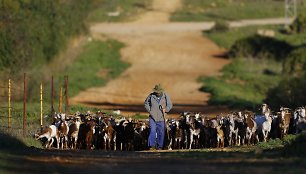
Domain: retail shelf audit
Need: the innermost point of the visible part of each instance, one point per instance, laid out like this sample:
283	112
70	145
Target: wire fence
18	116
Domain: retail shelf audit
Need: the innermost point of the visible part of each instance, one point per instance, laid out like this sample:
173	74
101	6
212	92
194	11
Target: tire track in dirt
173	58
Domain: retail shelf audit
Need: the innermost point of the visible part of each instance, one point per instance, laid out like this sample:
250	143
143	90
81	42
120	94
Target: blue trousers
157	134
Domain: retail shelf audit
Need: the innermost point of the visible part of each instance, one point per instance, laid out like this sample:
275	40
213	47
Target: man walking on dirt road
157	104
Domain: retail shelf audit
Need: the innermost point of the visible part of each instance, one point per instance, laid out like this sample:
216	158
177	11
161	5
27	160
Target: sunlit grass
244	83
227	38
211	10
100	62
122	10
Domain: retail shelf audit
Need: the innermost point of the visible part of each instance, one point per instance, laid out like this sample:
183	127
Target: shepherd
157	104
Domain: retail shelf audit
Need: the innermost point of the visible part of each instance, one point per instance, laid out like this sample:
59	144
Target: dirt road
159	52
219	161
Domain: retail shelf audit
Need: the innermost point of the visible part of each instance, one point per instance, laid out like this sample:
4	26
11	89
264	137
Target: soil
159	52
217	161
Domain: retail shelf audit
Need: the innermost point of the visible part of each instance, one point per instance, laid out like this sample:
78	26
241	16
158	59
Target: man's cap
158	88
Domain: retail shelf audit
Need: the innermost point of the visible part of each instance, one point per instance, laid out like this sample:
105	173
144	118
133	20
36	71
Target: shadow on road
177	108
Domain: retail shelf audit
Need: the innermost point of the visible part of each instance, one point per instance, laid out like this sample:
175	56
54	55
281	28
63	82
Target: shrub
299	24
295	63
289	93
220	26
260	47
295	146
32	32
271	144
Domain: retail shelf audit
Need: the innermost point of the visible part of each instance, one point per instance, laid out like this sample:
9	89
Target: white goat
265	108
49	133
233	130
285	117
73	133
263	125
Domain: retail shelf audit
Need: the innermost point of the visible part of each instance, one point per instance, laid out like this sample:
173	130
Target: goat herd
190	131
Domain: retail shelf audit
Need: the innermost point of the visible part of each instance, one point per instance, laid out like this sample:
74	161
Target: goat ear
36	136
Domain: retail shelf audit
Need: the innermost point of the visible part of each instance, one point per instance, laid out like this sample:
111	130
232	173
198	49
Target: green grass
271	144
227	39
212	10
244	83
32	118
98	63
139	116
127	8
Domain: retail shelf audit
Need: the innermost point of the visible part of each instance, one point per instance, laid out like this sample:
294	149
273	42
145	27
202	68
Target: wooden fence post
24	104
41	107
66	96
61	99
9	105
52	97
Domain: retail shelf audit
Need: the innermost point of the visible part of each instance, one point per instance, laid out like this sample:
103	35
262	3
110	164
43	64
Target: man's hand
162	108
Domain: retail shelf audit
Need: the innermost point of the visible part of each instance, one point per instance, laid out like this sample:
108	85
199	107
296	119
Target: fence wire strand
16	123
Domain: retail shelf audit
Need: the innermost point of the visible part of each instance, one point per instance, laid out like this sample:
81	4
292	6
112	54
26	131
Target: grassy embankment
224	10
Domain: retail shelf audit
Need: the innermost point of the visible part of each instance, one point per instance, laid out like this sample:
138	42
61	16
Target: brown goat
220	137
73	133
85	136
129	133
63	130
251	126
284	121
109	135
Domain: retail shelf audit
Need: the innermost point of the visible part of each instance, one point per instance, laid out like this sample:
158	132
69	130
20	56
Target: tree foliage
289	93
32	32
260	47
299	24
291	90
295	63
